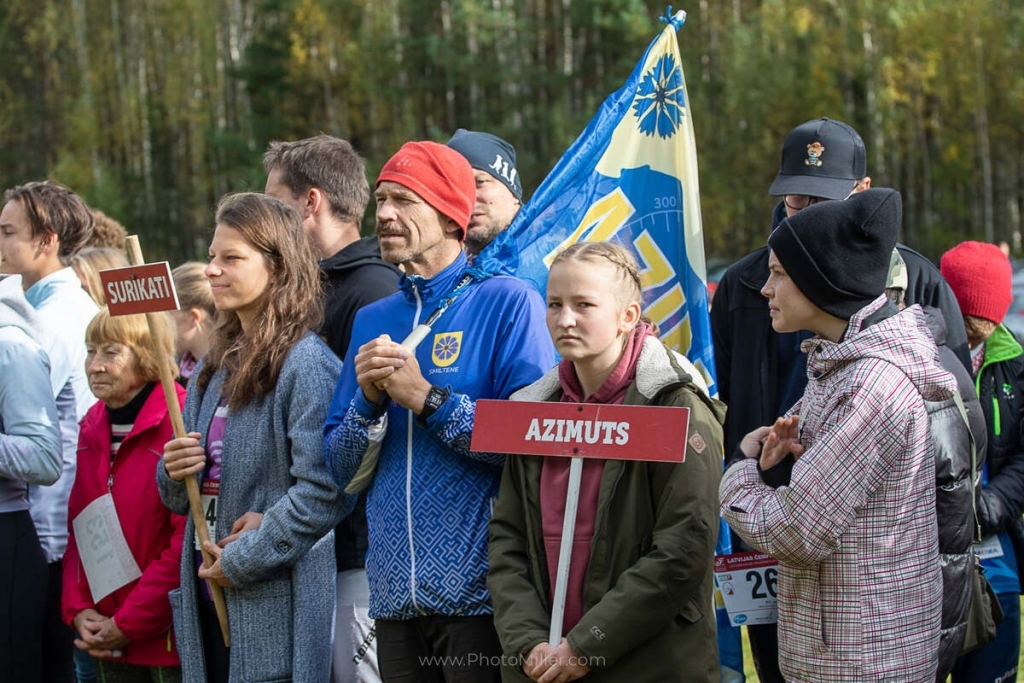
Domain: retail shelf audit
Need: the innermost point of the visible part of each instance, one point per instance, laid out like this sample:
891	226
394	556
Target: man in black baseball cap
499	190
762	373
822	159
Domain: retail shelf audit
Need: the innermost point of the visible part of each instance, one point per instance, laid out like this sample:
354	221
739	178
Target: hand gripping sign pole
578	430
148	288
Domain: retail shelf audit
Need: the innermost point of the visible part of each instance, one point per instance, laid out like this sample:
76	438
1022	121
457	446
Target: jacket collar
657	368
50	285
15	309
756	272
433	289
151	414
362	251
1001	346
902	340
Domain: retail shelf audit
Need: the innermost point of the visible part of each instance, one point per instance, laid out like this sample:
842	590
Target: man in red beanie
428	503
982	280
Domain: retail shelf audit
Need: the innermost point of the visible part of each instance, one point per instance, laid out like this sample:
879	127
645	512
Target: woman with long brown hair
261	395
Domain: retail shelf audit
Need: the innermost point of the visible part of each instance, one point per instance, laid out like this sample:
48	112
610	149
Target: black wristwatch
435	399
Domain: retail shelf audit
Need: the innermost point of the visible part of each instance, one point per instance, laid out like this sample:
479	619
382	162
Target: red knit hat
981	278
438	174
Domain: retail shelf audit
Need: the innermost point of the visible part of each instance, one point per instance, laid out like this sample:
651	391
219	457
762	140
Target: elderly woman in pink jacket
842	490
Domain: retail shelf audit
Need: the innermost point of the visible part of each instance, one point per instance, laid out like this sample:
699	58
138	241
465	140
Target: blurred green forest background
153	109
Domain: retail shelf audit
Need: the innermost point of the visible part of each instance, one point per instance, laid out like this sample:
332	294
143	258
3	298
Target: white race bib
989	548
104	552
746	582
208	496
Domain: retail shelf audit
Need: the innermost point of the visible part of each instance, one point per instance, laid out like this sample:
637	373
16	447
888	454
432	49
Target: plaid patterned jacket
859	589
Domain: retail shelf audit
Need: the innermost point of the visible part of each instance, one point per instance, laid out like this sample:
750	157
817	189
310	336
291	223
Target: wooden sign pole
191	483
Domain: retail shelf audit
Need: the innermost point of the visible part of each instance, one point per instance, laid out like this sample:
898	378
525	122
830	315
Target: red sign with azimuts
581	430
139	289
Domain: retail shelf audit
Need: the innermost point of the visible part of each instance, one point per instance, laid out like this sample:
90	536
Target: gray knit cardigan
282	606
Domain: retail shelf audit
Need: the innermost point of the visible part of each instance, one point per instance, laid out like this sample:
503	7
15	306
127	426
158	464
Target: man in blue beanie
499	191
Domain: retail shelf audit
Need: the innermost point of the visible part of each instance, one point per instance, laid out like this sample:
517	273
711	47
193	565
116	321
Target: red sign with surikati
139	289
586	430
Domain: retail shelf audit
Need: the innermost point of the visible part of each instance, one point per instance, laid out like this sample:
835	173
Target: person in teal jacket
981	277
30	455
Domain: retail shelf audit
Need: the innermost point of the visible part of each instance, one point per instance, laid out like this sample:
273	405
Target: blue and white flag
631	178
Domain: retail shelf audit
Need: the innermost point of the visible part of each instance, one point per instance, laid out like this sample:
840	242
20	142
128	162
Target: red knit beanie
438	174
981	278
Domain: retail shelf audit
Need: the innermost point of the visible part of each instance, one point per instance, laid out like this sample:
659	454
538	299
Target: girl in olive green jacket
639	604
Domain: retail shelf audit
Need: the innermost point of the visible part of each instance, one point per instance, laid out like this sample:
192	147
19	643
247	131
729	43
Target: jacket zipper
408	474
997	423
997	427
110	475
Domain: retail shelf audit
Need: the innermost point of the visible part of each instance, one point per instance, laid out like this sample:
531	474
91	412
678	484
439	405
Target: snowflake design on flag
446	347
659	103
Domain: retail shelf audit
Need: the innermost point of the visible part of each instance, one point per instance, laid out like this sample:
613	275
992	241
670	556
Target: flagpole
572	498
643	131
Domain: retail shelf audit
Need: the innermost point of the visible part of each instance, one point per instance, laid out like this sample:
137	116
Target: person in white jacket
29	455
42	226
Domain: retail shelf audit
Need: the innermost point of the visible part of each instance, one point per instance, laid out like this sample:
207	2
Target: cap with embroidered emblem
820	158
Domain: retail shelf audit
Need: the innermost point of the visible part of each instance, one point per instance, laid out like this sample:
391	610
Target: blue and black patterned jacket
430	503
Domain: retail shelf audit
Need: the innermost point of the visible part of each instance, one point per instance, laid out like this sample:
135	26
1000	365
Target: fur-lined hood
657	368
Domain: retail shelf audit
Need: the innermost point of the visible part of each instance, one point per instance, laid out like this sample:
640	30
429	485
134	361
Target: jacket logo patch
814	152
446	348
698	443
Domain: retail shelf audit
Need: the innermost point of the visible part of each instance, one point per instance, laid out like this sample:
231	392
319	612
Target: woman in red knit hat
981	278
